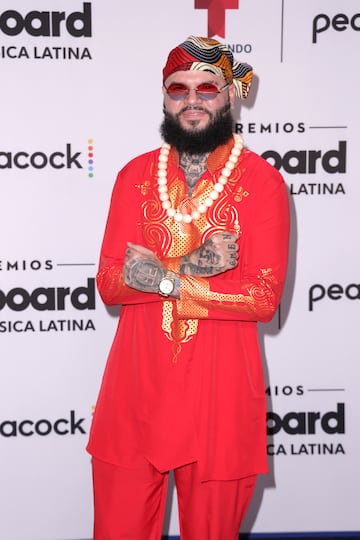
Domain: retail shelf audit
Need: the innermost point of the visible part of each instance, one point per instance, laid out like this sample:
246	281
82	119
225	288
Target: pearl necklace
213	195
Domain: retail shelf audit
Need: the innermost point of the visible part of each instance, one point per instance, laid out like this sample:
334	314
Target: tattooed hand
218	254
142	270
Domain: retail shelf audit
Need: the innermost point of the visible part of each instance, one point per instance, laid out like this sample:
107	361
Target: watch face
166	286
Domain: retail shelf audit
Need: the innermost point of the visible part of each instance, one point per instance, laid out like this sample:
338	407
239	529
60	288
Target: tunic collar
216	159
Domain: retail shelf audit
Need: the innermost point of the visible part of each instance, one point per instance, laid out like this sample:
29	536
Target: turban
206	54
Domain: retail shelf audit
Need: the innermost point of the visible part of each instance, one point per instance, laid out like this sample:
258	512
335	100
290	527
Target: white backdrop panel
68	126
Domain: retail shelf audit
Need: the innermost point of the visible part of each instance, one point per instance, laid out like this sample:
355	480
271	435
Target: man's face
193	113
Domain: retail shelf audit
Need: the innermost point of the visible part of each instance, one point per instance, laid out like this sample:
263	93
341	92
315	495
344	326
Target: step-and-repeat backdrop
80	95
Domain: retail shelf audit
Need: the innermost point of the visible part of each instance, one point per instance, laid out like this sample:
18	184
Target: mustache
184	109
193	108
225	109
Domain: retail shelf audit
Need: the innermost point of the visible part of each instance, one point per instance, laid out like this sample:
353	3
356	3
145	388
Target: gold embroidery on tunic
258	297
144	188
172	239
177	330
192	290
240	192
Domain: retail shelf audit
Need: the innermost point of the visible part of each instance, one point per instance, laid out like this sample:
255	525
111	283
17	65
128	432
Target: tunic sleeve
252	291
124	224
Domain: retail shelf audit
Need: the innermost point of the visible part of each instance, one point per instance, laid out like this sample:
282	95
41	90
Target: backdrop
81	95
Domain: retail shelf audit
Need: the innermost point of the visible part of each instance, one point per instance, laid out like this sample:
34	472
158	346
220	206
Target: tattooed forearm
190	269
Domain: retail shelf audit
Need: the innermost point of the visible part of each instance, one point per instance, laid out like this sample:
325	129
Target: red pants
130	503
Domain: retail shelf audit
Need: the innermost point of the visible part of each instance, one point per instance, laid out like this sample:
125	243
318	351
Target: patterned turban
206	54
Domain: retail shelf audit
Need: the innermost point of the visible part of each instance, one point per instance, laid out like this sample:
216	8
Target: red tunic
184	379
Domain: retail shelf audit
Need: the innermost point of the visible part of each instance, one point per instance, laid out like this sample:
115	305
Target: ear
232	94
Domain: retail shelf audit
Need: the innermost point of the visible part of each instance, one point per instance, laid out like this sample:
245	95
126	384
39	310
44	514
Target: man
195	251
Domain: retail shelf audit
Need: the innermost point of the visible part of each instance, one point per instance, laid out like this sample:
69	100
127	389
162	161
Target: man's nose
192	96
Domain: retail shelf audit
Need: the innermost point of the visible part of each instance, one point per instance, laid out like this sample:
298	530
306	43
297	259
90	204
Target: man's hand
142	270
218	254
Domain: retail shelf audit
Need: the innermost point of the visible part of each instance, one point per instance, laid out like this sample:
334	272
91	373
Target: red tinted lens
179	91
175	88
206	88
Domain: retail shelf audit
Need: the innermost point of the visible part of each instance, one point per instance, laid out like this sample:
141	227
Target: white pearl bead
171	212
163	196
219	188
222	180
163	158
230	165
208	202
187	218
225	172
233	159
162	166
162	189
195	214
162	181
166	205
202	208
178	217
214	195
162	174
236	151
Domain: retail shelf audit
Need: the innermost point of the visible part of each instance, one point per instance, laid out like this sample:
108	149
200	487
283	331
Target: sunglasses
204	91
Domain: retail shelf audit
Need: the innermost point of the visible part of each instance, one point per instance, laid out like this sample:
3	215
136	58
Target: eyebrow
202	82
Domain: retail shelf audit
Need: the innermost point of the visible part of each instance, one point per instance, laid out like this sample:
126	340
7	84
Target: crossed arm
143	271
207	289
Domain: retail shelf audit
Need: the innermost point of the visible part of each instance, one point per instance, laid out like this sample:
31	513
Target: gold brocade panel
168	238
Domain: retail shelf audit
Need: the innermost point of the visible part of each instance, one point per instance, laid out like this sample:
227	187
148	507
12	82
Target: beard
198	141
